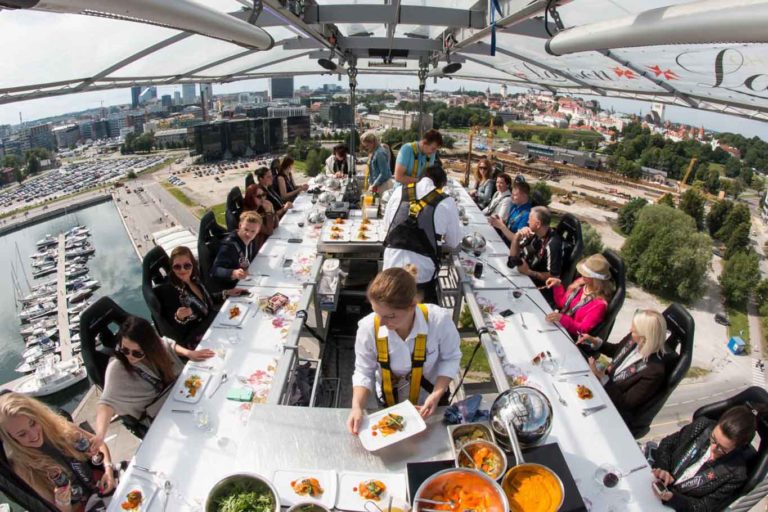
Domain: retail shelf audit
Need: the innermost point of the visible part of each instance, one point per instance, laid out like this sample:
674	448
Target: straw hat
595	267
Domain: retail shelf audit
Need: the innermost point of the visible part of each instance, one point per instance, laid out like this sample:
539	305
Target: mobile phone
660	487
287	263
244	293
507	312
295	240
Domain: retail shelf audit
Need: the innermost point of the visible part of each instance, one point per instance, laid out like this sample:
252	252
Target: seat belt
417	361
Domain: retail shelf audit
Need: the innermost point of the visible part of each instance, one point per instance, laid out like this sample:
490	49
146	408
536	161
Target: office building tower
188	93
281	88
135	93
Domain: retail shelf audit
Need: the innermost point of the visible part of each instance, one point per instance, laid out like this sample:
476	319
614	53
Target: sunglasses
179	266
261	196
717	446
138	354
482	167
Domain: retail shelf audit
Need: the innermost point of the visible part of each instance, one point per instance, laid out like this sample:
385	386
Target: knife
593	410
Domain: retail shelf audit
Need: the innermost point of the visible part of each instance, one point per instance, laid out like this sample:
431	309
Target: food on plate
363	228
234	312
276	302
246	501
339	221
335	236
336	229
132	500
362	236
484	458
192	384
473	434
371	489
365	222
389	424
584	392
307	487
532	489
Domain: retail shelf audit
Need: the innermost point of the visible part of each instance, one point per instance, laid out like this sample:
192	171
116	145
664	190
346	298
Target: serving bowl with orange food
532	487
460	489
482	456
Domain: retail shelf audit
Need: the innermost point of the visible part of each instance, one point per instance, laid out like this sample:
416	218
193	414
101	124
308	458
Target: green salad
245	498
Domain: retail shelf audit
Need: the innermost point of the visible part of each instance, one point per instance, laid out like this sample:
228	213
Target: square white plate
182	394
139	482
350	499
568	391
413	425
344	235
237	320
328	481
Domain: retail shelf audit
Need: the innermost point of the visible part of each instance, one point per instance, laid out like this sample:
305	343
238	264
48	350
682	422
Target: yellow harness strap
367	171
417	205
417	361
415	167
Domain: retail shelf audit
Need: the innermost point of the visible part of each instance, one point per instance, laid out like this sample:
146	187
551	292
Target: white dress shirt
695	467
329	164
447	224
443	352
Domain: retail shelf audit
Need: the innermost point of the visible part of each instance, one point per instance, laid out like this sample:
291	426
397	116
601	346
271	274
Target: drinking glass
550	364
607	476
203	420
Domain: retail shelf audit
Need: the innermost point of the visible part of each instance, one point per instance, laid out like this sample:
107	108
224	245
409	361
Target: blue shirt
518	216
405	158
379	170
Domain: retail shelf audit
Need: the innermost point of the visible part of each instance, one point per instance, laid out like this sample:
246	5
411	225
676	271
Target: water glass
203	420
550	364
607	476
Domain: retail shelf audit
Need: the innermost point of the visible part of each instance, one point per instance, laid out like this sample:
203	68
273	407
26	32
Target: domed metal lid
527	409
473	242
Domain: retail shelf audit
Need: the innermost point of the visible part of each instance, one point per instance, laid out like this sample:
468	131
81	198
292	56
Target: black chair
679	348
209	238
234	208
619	276
155	269
569	229
99	324
249	180
757	461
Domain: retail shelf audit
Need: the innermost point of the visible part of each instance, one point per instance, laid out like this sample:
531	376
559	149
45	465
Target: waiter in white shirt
404	350
416	215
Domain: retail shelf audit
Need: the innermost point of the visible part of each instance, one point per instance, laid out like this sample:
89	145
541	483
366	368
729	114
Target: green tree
738	277
666	254
738	241
628	214
732	168
712	182
667	200
33	165
593	243
739	214
448	142
11	161
314	164
131	175
541	194
717	215
692	203
761	293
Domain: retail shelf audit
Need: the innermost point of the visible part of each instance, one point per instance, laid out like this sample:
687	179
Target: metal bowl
484	485
333	183
473	243
462	211
307	506
326	198
527	409
510	483
473	447
241	482
316	217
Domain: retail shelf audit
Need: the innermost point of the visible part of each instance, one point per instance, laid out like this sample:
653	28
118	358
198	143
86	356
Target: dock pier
65	344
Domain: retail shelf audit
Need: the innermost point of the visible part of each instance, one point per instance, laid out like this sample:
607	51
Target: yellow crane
472	132
688	172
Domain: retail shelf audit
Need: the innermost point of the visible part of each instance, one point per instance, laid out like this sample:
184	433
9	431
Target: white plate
413	425
143	483
568	391
181	394
282	481
242	306
350	499
344	235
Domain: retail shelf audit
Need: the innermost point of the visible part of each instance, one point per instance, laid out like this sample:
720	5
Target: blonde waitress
404	350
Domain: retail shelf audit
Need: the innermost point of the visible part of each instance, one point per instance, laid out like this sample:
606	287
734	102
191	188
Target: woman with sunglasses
55	457
141	374
186	302
255	200
485	186
703	466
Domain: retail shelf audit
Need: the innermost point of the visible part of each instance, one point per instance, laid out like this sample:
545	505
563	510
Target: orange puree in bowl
532	489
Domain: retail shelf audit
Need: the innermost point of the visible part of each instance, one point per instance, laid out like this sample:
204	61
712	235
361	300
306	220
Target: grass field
179	194
219	210
480	364
695	371
739	325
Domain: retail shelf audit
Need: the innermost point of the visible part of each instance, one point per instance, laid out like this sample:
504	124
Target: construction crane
688	172
489	135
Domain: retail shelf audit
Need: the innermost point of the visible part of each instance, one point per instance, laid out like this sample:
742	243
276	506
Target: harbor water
115	265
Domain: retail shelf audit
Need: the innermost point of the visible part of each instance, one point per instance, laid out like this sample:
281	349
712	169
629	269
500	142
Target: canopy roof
52	54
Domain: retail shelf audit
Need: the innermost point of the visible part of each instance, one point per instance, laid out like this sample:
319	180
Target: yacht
52	376
37	311
47	241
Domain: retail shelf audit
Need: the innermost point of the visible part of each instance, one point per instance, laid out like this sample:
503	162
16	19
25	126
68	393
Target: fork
593	410
559	396
522	319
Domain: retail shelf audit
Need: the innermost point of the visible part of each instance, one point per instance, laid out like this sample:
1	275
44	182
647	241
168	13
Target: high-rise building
188	93
66	136
207	89
40	136
281	88
149	94
176	98
135	93
166	100
338	114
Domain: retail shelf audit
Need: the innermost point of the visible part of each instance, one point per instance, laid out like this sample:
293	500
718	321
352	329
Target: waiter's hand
430	404
354	420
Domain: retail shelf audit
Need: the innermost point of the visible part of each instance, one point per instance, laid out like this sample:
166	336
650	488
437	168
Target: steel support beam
228	78
406	14
648	76
392	25
545	67
275	8
370	43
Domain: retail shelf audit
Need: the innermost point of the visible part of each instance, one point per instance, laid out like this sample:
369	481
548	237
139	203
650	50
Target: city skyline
38	109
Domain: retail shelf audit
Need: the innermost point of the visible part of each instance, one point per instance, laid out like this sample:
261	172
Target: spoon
167	489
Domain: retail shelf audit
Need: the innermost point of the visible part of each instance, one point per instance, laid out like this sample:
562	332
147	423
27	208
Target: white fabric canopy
50	54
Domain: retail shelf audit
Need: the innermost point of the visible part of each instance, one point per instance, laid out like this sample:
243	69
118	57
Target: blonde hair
394	287
652	326
251	217
32	464
599	288
369	136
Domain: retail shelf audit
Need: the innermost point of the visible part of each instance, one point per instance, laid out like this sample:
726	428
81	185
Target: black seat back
234	207
99	324
569	229
757	464
249	180
208	241
155	269
619	277
679	348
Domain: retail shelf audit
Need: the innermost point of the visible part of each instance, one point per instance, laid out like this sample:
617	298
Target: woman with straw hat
582	306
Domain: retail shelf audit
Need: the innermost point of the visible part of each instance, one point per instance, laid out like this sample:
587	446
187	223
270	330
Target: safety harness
417	362
415	167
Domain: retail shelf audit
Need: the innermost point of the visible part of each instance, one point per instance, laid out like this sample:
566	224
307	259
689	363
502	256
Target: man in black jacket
236	251
703	465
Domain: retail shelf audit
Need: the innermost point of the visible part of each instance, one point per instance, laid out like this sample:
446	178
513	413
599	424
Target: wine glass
607	476
550	364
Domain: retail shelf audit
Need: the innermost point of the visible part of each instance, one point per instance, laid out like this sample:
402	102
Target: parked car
722	319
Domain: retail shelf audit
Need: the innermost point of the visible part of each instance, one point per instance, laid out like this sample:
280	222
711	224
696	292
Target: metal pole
422	86
352	72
